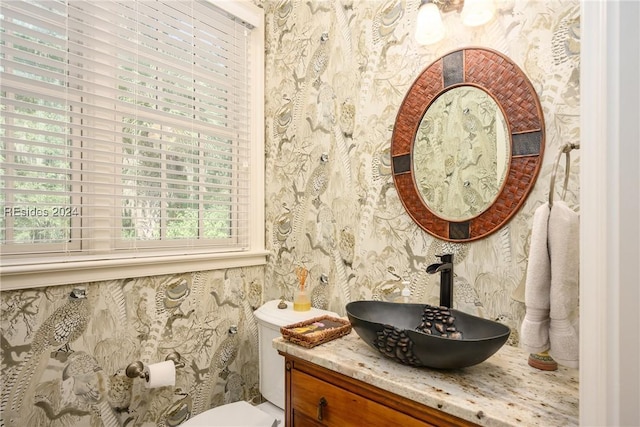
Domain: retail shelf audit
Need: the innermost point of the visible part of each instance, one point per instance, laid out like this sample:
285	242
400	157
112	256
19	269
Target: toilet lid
237	414
270	314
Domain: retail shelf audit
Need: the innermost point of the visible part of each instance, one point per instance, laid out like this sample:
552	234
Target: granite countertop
502	391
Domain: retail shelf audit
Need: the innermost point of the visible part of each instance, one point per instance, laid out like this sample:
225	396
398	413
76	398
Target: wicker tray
316	331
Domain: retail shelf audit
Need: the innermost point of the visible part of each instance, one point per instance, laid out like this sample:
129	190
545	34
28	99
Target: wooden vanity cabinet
318	397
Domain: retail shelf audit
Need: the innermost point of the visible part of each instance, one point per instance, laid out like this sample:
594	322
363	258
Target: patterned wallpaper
336	73
65	348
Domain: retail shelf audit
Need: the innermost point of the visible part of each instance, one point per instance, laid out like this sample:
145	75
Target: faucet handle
445	257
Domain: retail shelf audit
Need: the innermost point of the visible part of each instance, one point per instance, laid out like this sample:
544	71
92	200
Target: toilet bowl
270	413
236	414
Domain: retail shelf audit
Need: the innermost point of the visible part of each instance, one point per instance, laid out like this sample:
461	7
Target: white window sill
65	272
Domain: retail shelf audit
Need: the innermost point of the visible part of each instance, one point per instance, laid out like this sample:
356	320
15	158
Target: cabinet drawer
301	420
332	406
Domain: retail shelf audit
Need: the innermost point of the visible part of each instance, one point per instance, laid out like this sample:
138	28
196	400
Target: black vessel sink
423	335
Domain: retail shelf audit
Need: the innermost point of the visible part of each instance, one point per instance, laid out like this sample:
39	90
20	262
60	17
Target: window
129	129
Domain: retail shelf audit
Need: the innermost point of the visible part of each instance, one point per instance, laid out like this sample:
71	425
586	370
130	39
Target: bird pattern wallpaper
65	349
336	72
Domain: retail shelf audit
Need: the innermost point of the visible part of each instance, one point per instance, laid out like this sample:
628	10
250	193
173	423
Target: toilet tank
270	318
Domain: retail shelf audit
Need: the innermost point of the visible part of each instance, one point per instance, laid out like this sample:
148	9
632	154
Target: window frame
37	271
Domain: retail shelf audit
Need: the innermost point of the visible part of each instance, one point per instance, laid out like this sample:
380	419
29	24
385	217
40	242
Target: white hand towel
534	333
563	237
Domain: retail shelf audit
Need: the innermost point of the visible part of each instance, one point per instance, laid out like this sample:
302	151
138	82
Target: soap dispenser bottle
406	292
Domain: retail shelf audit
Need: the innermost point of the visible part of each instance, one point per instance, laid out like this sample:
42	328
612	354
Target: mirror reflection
461	153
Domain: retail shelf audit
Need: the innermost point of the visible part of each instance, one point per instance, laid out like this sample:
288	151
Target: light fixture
477	12
429	26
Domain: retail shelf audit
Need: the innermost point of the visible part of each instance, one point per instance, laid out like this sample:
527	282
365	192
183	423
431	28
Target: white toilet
271	413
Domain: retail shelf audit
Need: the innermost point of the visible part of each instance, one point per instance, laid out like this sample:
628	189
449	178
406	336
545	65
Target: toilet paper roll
161	374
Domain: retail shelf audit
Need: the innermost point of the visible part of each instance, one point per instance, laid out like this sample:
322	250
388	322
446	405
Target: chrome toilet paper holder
137	369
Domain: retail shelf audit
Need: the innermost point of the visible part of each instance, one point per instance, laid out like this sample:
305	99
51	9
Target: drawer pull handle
321	404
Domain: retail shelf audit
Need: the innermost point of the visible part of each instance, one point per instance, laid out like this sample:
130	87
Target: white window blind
125	126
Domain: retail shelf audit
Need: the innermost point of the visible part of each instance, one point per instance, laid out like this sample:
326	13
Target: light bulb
477	12
429	26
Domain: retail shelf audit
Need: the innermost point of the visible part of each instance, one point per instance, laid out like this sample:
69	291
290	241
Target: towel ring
565	149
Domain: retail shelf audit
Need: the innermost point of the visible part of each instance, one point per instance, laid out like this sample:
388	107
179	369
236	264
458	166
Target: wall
336	73
79	380
339	218
610	223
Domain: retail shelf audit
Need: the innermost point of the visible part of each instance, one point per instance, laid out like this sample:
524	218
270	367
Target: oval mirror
461	153
467	144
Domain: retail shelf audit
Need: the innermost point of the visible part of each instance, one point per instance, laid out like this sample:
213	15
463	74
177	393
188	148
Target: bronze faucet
445	268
